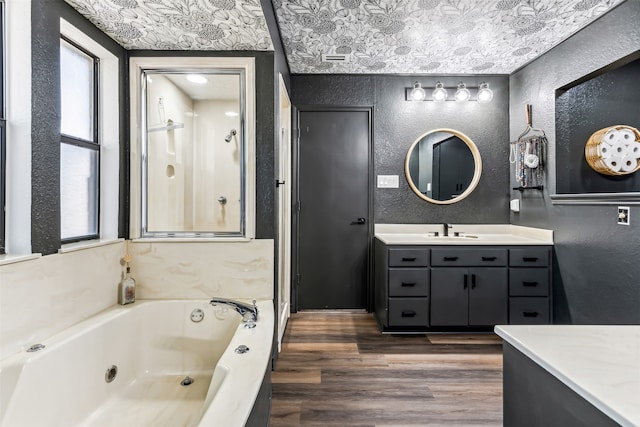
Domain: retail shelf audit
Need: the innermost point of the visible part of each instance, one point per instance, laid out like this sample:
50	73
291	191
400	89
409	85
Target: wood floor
337	369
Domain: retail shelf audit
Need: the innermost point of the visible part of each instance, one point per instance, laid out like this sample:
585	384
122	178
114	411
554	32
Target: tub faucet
446	229
248	312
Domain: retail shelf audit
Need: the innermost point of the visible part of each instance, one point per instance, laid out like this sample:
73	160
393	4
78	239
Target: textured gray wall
398	123
45	123
597	276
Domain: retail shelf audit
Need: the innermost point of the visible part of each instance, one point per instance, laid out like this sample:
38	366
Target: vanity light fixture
462	94
440	93
484	93
417	93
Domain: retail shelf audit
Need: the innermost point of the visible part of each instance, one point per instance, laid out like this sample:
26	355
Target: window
80	148
3	161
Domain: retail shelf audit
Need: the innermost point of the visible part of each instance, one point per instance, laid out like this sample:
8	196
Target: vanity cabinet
469	297
458	287
530	285
402	286
469	286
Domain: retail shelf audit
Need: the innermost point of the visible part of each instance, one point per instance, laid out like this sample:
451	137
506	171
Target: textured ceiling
180	24
428	36
376	36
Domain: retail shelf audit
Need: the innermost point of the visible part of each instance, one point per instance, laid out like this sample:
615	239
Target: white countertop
599	363
470	234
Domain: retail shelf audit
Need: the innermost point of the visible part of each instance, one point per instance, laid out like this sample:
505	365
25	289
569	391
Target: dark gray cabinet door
449	296
488	296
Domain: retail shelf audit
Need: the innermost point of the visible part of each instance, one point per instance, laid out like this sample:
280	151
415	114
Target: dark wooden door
454	168
333	236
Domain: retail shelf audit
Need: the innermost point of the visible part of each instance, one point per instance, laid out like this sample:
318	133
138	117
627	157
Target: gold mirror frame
476	174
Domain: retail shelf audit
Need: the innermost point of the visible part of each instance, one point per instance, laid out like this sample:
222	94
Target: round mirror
443	166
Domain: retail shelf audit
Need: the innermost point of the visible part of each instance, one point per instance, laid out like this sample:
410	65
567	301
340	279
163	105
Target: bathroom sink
424	238
454	238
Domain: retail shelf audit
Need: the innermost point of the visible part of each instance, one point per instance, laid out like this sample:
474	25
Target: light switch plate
623	215
388	181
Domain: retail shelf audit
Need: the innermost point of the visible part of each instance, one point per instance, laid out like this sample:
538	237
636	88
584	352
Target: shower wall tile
193	270
43	296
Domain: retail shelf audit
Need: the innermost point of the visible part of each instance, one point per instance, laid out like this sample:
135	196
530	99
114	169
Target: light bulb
484	93
418	94
439	93
462	94
196	78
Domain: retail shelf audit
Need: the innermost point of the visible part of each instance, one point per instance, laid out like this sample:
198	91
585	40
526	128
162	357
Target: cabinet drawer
408	257
529	257
529	282
408	282
529	311
468	257
408	312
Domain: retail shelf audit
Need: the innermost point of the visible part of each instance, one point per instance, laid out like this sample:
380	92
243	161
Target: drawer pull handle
489	258
530	313
451	258
529	283
408	284
529	258
408	313
406	258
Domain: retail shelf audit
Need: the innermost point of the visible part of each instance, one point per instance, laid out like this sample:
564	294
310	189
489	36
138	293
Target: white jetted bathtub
154	346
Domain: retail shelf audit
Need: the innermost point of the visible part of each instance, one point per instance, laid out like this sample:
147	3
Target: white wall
169	154
218	171
43	296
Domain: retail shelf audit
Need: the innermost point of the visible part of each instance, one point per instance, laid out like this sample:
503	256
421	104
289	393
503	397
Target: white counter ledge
599	363
470	234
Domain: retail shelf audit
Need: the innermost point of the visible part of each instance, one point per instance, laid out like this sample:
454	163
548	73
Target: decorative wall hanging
614	150
528	154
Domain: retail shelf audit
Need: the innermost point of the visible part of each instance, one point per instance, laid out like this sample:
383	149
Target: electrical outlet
623	215
388	181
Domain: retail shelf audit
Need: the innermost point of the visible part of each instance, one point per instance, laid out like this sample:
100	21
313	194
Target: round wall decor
614	150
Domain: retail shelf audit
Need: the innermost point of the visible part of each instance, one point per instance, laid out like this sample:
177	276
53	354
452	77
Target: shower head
231	135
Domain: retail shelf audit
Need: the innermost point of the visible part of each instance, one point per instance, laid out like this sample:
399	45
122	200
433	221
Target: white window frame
136	67
18	121
108	95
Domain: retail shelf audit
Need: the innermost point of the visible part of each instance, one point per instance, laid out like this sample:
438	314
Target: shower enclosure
193	153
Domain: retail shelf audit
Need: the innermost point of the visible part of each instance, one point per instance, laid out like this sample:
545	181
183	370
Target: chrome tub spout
248	312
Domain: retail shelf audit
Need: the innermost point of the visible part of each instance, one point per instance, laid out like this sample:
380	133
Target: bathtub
154	346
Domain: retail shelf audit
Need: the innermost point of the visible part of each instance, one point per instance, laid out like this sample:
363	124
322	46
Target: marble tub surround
599	363
40	297
194	270
469	234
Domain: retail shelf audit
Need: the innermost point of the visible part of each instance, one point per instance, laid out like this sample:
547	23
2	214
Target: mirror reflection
193	153
443	166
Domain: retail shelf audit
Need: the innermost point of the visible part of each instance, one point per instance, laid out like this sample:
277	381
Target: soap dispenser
127	288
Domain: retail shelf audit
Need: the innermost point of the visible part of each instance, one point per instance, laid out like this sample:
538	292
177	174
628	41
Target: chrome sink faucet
446	229
248	312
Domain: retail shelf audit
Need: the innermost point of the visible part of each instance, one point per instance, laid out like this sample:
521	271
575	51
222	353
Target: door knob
360	221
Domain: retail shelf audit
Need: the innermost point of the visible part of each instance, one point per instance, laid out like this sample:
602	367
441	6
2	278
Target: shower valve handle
222	200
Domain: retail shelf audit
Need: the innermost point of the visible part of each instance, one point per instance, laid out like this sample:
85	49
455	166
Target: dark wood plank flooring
337	369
